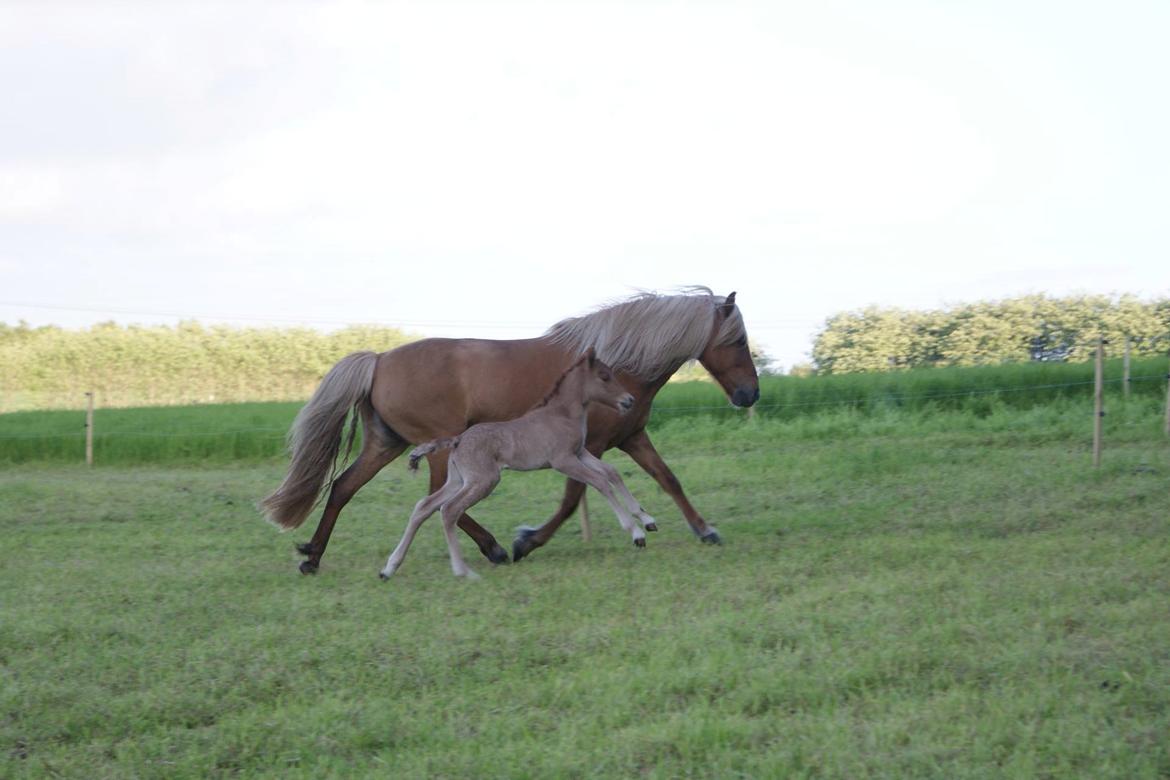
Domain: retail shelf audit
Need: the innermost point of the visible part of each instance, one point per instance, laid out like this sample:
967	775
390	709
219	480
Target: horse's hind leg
380	445
528	538
483	538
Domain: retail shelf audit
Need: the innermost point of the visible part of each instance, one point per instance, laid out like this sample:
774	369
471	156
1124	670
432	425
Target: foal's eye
741	341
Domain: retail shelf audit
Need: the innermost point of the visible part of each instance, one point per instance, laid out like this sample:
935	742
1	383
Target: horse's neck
651	386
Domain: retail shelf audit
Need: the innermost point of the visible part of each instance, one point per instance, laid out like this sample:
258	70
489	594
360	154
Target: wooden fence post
89	429
586	530
1166	421
1125	370
1098	401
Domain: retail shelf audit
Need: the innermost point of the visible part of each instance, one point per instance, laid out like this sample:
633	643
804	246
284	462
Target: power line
261	318
777	324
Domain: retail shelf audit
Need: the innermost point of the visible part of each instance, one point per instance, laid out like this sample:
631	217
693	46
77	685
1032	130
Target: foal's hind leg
380	445
422	510
476	487
483	538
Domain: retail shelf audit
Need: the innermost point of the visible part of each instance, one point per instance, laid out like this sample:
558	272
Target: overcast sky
486	169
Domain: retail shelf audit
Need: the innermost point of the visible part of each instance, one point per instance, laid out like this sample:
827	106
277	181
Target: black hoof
496	554
523	543
651	527
306	548
640	542
308	567
711	537
383	576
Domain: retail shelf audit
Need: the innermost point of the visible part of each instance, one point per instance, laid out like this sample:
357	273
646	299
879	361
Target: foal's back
531	441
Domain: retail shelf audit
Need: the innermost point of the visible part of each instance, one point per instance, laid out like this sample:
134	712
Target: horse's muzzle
744	396
625	403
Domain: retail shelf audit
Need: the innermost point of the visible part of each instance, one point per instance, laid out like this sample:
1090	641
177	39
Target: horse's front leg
640	448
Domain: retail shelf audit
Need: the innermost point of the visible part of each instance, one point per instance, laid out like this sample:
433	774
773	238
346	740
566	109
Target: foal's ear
728	304
591	356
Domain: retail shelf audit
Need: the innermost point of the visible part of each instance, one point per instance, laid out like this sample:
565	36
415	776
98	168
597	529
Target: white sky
486	169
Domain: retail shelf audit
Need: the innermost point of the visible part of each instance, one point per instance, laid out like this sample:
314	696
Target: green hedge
46	368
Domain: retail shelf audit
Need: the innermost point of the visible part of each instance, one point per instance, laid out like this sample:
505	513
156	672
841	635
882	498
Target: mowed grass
939	595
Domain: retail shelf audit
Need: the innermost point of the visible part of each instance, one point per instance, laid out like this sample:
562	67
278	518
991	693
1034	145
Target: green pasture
935	594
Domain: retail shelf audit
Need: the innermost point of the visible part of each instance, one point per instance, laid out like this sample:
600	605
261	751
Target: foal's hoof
308	567
383	576
651	527
641	542
523	543
496	554
711	537
306	548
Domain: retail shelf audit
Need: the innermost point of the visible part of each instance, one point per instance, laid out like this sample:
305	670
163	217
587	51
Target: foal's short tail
315	438
421	451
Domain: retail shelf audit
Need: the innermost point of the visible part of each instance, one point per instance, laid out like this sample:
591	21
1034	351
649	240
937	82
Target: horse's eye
741	341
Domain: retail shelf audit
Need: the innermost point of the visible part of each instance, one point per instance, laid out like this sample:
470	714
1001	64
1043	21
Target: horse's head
727	357
602	387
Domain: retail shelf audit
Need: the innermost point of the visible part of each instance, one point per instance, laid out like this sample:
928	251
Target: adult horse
437	388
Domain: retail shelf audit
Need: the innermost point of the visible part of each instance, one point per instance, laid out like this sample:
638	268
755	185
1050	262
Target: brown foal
550	435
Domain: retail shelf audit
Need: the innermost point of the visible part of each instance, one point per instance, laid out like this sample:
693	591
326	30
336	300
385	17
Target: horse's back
438	387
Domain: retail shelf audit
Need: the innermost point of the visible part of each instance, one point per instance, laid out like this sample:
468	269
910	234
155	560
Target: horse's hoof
640	542
523	544
308	567
383	576
711	537
497	554
651	527
306	548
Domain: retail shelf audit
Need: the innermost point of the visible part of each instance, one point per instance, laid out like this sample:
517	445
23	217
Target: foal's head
601	386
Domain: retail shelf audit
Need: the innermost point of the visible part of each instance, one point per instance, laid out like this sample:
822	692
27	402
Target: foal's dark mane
556	388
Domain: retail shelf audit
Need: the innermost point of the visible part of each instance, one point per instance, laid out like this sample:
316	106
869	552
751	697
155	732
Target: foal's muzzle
625	403
744	396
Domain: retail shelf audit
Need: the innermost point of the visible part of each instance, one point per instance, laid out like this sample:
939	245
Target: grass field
937	594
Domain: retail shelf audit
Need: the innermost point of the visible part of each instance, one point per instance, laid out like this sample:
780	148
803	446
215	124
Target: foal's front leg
575	468
615	479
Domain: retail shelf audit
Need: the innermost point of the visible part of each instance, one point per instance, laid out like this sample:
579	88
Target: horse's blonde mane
650	334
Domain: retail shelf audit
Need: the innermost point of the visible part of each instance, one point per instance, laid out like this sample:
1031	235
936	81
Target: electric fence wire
278	433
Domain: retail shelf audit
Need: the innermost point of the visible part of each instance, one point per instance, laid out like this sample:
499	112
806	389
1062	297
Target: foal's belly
526	464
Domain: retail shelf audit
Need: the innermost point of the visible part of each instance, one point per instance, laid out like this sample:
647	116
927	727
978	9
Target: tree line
50	367
1027	328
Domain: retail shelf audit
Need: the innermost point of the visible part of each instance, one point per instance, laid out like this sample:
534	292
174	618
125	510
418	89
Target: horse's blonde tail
315	438
420	452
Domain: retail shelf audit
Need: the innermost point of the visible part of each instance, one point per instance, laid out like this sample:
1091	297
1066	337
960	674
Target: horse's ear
728	303
591	356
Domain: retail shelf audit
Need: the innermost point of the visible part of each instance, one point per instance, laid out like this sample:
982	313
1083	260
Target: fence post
1098	401
89	429
586	530
1125	370
1166	422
